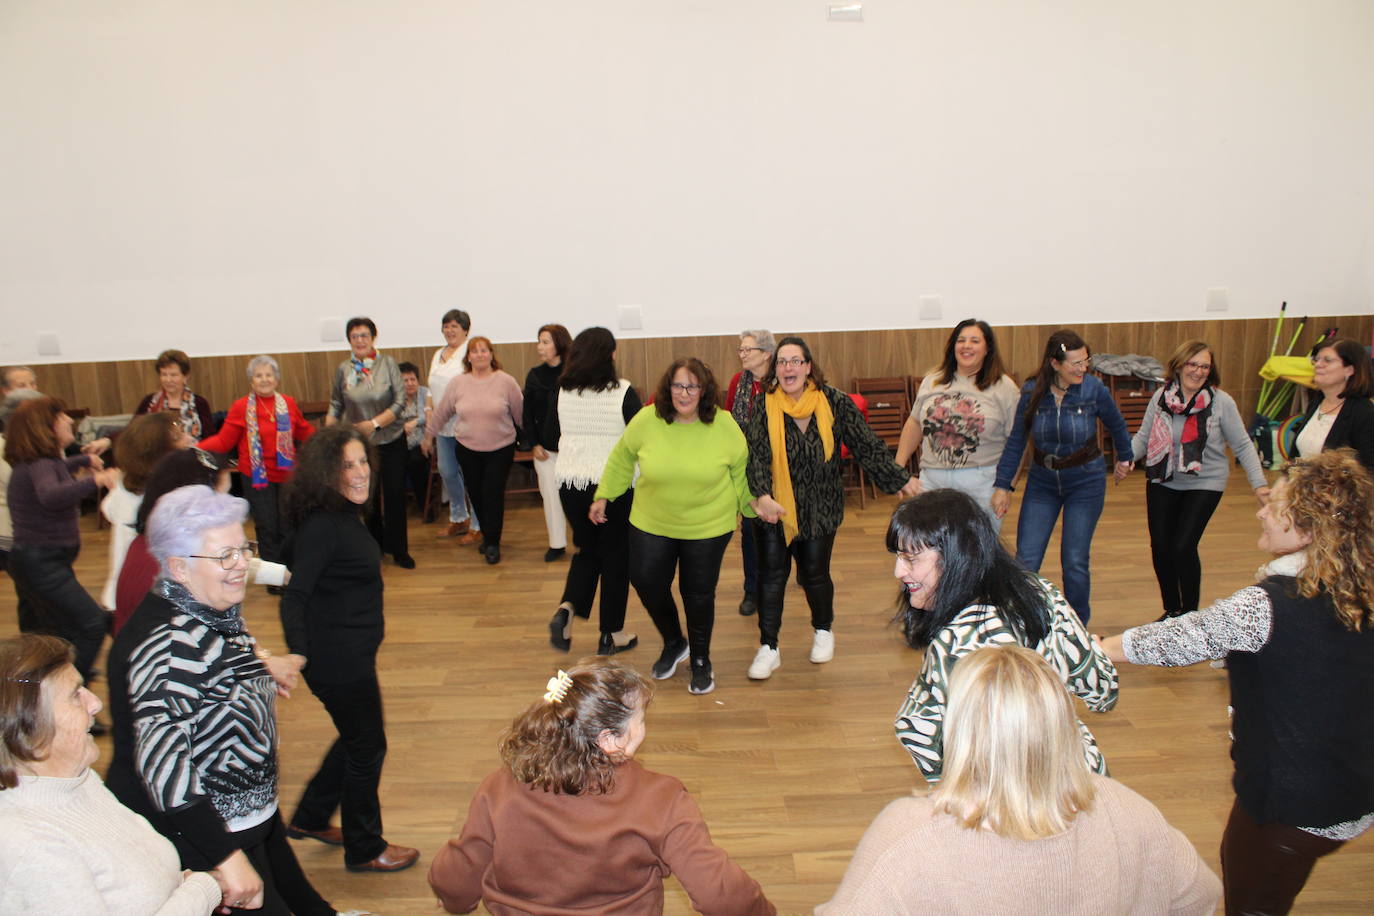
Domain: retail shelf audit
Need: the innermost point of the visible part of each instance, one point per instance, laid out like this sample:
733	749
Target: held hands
285	671
1262	494
366	427
426	446
912	489
96	446
239	885
108	478
1112	648
539	453
768	508
597	513
1000	502
1123	470
410	425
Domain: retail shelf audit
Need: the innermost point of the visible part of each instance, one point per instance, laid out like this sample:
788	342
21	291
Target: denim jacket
1064	428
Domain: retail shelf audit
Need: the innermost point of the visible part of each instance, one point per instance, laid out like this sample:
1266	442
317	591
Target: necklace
1328	411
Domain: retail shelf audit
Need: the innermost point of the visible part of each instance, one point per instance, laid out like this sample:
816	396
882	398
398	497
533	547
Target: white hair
179	521
263	360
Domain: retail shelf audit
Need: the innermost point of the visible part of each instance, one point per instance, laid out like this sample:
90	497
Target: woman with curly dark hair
691	488
795	441
331	615
574	822
1299	650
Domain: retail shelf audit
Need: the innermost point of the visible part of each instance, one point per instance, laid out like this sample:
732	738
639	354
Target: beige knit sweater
1119	857
68	846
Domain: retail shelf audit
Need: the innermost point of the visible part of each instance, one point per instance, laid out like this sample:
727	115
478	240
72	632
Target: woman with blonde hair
1020	824
1299	650
572	822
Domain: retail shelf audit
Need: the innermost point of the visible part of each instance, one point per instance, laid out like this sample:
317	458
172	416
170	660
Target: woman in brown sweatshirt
573	822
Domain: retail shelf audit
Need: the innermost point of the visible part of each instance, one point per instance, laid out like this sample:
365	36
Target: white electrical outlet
1218	299
331	330
48	345
845	12
930	308
631	318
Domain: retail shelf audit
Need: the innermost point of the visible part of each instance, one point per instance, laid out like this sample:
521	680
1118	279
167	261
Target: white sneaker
765	663
822	647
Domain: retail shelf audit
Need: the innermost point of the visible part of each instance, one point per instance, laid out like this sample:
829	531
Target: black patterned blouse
818	484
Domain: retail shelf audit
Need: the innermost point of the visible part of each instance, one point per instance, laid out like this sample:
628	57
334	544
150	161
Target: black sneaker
672	653
554	553
703	681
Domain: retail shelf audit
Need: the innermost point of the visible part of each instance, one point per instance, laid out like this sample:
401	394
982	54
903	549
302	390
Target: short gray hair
263	360
13	400
178	524
763	337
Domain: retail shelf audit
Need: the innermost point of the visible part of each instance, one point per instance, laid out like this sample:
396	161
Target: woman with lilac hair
187	683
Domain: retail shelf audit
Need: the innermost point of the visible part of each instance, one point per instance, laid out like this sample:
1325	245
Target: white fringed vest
590	424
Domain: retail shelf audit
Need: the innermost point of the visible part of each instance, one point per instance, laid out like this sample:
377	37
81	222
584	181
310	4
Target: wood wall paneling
1241	347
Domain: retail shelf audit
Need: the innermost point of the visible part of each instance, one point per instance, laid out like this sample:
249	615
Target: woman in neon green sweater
691	487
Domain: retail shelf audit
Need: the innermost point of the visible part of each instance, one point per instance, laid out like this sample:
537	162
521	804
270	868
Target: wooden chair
850	464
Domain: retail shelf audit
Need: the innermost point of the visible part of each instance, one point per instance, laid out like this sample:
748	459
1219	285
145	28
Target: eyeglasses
745	351
1198	367
685	389
792	362
907	558
1326	360
229	556
1085	363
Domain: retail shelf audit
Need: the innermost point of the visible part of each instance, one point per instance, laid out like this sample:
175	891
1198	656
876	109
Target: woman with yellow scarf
794	471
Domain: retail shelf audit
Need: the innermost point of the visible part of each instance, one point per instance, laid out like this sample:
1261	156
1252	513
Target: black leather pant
813	572
652	561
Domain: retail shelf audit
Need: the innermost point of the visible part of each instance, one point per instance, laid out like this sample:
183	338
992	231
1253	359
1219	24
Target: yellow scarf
813	404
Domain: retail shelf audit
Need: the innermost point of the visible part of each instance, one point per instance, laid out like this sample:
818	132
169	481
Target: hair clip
557	687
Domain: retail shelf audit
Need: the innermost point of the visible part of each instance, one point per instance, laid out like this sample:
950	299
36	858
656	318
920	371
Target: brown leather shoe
331	835
393	858
454	529
472	537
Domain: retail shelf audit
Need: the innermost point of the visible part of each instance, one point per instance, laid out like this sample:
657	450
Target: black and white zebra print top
203	710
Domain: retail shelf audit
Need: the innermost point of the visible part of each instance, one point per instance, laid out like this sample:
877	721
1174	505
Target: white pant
553	507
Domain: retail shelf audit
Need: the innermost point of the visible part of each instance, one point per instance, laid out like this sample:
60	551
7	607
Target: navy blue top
1062	428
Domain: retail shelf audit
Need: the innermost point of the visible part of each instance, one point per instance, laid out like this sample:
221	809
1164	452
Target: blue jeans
1080	492
452	475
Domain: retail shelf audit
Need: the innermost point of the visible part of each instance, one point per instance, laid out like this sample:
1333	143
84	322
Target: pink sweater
488	410
1119	857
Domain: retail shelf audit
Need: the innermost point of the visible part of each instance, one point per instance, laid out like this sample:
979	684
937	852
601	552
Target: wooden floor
790	771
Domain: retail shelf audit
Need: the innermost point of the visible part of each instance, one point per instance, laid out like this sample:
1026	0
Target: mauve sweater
487	407
44	501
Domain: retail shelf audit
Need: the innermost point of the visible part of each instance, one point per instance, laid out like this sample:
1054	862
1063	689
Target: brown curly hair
710	391
554	746
1329	498
141	446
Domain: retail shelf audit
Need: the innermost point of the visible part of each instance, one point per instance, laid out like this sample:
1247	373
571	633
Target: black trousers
749	556
1264	866
654	559
57	604
1177	520
485	475
286	889
352	769
602	556
386	519
813	573
269	524
417	473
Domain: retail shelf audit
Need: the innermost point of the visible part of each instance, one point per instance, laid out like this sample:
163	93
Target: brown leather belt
1054	463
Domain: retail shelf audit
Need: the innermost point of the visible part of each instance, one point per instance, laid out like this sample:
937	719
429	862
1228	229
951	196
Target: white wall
222	176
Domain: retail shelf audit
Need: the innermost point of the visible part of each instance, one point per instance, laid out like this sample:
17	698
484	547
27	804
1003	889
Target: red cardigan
234	432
